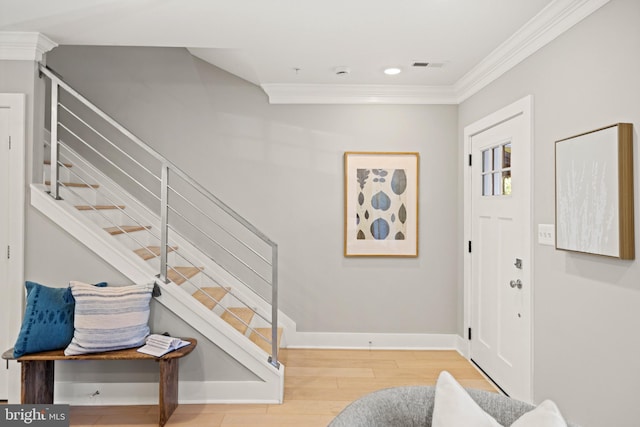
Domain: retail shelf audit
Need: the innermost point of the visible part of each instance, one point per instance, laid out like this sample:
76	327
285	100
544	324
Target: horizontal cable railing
184	213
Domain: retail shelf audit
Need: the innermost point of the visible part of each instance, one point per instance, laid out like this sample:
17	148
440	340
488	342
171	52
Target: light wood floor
318	384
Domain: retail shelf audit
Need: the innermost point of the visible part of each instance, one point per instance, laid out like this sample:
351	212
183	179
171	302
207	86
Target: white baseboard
189	392
371	341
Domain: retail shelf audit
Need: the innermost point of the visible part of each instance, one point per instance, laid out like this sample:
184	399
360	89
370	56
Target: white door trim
522	107
16	102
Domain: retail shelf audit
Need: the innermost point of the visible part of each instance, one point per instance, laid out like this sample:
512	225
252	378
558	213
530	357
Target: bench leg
37	382
168	401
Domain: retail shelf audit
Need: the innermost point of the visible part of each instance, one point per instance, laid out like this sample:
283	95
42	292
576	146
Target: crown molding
552	21
24	46
357	94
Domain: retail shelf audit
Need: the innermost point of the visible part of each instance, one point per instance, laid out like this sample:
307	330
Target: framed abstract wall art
594	192
381	204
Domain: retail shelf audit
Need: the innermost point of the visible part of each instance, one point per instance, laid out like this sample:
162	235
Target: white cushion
110	318
453	407
546	414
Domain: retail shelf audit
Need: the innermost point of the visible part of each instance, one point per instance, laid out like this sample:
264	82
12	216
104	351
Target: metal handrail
167	169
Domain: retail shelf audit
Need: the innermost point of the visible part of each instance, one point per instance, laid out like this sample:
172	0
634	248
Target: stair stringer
144	216
215	329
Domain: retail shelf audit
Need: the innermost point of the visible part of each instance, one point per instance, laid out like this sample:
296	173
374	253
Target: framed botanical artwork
381	204
594	192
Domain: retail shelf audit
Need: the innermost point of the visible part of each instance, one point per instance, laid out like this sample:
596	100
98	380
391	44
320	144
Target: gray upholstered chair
412	406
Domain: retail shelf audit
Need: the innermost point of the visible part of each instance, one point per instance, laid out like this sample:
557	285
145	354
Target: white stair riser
137	239
113	217
64	175
259	322
172	259
78	196
68	175
197	280
192	287
107	217
224	302
84	196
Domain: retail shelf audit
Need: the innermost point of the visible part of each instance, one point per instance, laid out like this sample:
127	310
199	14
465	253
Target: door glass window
496	170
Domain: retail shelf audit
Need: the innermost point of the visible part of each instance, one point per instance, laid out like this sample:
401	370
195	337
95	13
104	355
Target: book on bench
159	345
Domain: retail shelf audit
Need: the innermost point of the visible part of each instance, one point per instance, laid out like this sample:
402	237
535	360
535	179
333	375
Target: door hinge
469	159
9	142
469	246
469	334
8	252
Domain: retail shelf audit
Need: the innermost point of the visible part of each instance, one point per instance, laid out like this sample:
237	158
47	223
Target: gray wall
586	307
281	168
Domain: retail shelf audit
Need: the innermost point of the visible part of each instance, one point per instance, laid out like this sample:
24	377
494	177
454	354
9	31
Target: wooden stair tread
126	229
244	313
98	207
150	252
66	165
179	275
266	332
75	184
217	293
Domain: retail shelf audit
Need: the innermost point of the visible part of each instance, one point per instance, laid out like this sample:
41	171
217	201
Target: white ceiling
265	41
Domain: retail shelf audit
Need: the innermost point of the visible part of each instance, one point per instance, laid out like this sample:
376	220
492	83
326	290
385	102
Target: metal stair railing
88	170
185	208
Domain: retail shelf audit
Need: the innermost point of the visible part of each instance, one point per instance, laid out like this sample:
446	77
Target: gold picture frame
381	204
594	192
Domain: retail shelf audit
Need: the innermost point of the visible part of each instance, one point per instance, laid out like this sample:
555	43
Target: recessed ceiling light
392	71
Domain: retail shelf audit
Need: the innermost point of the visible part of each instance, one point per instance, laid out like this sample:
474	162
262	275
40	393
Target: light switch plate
547	234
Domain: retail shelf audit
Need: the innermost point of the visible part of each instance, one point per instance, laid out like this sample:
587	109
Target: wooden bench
38	374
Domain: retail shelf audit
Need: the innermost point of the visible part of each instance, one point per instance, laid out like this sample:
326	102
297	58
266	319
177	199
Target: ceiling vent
341	71
428	64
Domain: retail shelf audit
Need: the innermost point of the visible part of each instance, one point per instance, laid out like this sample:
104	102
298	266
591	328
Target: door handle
516	284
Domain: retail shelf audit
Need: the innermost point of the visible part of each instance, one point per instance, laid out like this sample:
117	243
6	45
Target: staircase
152	222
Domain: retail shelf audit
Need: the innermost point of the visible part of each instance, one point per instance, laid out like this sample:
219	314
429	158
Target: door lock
518	263
516	284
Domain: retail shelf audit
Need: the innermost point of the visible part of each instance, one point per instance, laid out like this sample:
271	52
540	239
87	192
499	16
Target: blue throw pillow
47	322
48	319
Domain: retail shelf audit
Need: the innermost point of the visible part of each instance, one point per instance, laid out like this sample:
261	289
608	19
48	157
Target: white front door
499	267
5	339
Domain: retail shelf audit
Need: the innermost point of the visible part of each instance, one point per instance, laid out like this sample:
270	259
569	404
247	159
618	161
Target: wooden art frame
594	192
381	204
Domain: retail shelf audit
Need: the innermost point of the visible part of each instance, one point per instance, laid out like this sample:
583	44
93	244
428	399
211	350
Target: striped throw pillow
110	318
